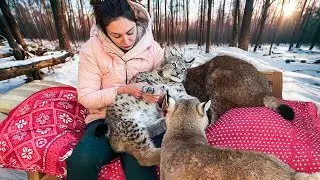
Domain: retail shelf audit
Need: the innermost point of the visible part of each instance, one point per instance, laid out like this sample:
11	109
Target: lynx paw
148	89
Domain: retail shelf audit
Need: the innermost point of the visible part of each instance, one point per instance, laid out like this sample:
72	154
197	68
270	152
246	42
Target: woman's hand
151	97
133	89
156	93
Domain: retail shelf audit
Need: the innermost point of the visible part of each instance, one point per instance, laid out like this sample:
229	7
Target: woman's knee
83	159
91	152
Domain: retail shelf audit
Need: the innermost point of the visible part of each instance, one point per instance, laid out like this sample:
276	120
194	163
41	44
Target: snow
66	73
5	50
11	63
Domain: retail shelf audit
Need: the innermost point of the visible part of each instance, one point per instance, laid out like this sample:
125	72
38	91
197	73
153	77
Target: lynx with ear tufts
186	155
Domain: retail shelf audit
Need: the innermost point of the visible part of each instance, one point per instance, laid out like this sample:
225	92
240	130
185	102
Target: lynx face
186	111
175	68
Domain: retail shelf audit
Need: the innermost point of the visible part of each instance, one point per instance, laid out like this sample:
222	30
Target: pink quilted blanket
39	134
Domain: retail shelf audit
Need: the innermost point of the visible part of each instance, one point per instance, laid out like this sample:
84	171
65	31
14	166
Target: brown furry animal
230	82
186	155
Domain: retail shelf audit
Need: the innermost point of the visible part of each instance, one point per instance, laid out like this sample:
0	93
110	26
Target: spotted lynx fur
186	154
132	122
229	83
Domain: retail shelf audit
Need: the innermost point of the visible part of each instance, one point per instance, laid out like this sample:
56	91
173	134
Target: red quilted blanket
39	134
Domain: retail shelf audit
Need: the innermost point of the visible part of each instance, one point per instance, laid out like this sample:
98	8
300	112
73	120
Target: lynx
186	154
229	83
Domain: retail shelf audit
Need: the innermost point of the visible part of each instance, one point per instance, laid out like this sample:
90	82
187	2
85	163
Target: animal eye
173	64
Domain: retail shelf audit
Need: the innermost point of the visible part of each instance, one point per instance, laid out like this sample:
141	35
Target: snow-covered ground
301	74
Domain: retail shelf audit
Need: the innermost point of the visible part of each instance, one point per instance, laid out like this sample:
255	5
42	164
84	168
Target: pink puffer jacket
104	67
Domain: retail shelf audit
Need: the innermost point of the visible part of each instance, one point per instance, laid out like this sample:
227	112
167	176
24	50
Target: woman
120	46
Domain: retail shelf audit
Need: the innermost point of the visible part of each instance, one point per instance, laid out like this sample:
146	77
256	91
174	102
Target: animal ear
171	103
166	52
189	63
204	107
190	60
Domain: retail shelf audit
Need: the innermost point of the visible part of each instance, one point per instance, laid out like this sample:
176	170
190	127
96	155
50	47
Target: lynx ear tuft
203	107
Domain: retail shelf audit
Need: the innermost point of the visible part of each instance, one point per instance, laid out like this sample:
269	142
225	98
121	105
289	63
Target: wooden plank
46	177
275	81
34	175
277	84
40	176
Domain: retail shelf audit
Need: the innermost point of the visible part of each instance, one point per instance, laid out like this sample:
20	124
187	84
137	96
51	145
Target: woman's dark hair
106	11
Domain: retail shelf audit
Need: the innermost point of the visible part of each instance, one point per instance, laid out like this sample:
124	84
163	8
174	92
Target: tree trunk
279	22
297	25
71	27
316	36
60	22
172	22
203	33
261	24
208	26
217	27
156	20
82	21
24	21
13	26
15	71
246	25
19	20
149	6
44	24
160	24
187	30
222	21
257	21
235	26
302	30
17	51
49	20
201	22
166	23
176	20
304	24
35	22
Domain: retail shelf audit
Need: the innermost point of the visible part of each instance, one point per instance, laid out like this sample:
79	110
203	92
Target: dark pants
91	153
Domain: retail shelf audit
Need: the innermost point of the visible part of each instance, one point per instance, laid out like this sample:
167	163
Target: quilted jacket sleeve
90	94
